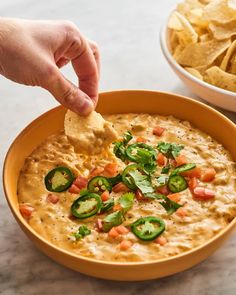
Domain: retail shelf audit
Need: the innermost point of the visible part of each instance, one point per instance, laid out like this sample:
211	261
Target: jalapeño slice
99	184
140	152
126	178
183	168
177	183
58	179
148	228
86	206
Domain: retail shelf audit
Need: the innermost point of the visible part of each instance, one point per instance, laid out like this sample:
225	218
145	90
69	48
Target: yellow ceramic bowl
202	116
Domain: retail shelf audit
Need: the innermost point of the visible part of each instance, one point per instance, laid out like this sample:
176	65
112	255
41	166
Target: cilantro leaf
127	136
84	192
107	205
170	150
169	205
119	150
166	169
149	167
114	180
126	201
82	232
113	219
162	180
183	168
142	181
144	155
120	146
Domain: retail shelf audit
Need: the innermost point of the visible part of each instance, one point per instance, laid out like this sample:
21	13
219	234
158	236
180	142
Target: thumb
69	94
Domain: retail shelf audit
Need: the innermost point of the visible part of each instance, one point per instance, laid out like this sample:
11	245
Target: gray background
127	34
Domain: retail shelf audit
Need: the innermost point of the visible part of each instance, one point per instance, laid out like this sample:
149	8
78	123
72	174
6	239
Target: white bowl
215	95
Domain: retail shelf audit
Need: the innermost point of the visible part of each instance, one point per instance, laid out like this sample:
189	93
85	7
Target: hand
31	53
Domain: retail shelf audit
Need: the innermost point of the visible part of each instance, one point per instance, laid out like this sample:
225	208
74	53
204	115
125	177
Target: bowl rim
171	60
23	222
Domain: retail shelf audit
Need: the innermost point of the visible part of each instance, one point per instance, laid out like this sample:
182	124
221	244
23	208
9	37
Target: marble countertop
127	33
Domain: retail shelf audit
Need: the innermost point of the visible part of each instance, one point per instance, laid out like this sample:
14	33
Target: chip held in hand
89	134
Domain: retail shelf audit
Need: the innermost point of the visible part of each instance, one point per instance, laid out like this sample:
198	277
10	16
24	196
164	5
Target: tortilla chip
183	28
232	67
89	134
185	7
232	4
174	22
227	56
223	31
205	37
194	72
193	11
178	51
219	78
202	54
173	40
201	69
219	11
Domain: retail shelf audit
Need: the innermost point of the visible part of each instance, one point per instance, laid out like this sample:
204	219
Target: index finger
85	67
83	60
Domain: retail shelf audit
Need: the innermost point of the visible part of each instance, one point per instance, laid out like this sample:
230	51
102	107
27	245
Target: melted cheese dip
203	219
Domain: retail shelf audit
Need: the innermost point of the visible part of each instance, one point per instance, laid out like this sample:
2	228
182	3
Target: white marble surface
127	33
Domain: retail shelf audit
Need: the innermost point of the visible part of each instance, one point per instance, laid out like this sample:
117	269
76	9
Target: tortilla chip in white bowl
206	66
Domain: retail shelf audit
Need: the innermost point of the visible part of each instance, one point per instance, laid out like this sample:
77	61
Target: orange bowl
200	115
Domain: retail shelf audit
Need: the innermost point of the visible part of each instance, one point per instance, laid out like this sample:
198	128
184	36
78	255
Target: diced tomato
141	139
117	207
110	170
81	182
121	229
174	197
120	187
161	159
125	245
158	130
209	192
96	171
192	183
208	175
203	194
163	190
26	210
105	196
74	189
52	198
140	197
181	160
196	172
72	217
113	233
99	224
181	212
161	240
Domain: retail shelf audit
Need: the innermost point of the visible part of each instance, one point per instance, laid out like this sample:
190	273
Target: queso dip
161	189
